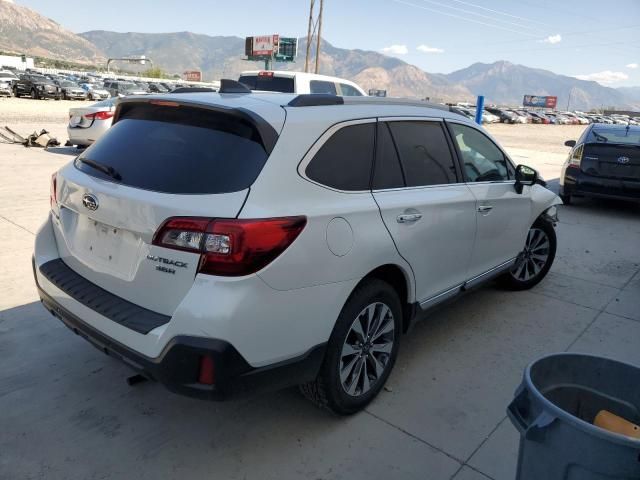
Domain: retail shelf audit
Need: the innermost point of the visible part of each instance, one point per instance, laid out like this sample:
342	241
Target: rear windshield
618	136
269	84
182	150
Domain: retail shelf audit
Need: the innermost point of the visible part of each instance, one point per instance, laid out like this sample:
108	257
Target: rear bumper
178	365
576	182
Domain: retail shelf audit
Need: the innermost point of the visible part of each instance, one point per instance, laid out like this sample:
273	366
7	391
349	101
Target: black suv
36	86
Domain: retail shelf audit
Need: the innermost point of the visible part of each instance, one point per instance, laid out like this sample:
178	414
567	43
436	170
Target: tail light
230	247
99	115
53	194
576	155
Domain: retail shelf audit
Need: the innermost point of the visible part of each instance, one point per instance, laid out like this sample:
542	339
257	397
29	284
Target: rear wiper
106	169
599	137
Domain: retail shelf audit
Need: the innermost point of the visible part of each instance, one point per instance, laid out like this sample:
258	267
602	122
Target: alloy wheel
367	348
534	257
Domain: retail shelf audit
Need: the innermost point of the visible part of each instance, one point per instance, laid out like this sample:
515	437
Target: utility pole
319	37
309	36
569	99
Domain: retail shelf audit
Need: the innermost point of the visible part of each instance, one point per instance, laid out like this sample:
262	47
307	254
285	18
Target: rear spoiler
268	134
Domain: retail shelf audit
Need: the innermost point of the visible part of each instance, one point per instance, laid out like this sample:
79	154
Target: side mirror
570	143
525	176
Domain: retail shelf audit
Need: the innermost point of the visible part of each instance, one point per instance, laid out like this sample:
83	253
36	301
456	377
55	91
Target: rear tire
361	351
535	260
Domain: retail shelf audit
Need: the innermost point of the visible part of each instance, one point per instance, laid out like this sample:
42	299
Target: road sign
265	45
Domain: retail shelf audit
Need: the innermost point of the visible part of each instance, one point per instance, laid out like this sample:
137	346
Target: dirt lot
66	411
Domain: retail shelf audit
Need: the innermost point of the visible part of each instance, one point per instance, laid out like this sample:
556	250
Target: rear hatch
160	159
612	153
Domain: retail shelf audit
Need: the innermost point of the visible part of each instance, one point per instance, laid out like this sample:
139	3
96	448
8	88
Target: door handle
485	208
409	217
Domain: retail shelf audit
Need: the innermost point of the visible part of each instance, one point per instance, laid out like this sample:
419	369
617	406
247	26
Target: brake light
265	74
230	247
99	115
576	155
53	194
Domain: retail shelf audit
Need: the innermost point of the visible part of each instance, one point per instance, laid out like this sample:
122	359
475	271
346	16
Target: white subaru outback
233	242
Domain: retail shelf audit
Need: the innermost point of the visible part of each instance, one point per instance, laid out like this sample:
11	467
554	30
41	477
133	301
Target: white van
299	82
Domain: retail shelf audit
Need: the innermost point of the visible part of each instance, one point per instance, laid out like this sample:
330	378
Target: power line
500	27
499	12
471	12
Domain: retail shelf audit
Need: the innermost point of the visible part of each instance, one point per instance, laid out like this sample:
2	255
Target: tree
154	73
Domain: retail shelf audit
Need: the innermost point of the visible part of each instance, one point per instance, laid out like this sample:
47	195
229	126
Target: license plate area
102	247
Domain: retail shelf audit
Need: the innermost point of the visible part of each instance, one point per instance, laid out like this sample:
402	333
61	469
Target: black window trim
460	180
322	139
458	155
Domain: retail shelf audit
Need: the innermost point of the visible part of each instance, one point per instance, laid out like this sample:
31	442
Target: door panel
501	228
502	215
433	221
437	237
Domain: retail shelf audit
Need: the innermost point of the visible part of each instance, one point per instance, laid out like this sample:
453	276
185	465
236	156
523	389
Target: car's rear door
502	214
428	211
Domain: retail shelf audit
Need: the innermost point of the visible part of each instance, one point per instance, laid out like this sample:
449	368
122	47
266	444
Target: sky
590	39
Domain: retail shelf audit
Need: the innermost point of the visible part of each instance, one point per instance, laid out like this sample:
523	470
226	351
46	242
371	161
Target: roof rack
192	90
315	99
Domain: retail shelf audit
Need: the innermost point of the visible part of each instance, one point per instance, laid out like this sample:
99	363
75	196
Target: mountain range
23	30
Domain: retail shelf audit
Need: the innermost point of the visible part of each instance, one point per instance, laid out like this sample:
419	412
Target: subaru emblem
90	202
623	160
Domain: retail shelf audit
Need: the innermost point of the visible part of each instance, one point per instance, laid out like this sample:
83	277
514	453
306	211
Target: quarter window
424	153
344	161
321	86
483	160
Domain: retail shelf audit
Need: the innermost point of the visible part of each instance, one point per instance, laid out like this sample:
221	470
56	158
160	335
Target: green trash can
554	409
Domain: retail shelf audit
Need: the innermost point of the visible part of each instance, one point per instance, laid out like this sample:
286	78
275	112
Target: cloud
552	39
632	65
396	49
605	77
428	49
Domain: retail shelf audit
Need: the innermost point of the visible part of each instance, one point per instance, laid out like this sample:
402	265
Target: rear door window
268	83
424	153
344	160
349	91
388	172
182	150
322	86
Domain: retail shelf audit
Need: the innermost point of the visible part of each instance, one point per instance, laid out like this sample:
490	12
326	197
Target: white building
19	62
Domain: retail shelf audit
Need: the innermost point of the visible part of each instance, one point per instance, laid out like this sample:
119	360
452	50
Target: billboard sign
539	101
192	76
265	45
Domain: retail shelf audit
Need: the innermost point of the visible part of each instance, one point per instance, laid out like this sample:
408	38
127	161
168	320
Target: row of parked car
515	115
73	87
